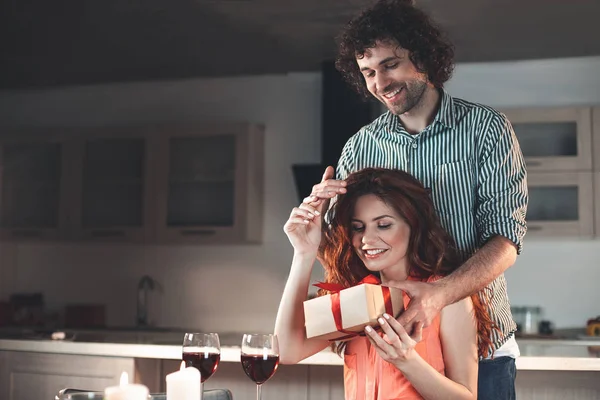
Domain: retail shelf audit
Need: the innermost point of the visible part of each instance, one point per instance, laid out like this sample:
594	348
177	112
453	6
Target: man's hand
426	301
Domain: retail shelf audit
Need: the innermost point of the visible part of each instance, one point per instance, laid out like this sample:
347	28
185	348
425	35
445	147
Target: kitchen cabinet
33	200
28	375
111	185
326	382
596	138
195	184
560	204
596	200
291	382
596	165
210	184
554	139
558	146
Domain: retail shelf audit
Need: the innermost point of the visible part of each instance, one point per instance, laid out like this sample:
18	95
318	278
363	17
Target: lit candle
183	384
126	390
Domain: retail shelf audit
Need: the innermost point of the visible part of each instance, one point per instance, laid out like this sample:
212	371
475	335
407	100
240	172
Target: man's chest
445	164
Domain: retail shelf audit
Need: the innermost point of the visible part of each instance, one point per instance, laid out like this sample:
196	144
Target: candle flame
182	367
124	379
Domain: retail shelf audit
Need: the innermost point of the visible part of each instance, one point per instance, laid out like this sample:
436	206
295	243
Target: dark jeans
497	379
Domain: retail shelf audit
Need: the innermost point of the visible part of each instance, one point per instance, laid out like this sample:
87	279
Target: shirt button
414	145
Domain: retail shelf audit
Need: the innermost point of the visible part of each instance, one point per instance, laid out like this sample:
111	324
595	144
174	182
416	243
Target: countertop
536	354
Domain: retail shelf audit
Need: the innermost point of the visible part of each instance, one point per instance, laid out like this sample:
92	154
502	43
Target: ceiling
68	42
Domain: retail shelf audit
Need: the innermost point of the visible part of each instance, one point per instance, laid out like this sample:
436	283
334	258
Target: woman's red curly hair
431	250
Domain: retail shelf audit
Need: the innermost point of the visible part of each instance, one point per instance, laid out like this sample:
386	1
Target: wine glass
203	352
260	358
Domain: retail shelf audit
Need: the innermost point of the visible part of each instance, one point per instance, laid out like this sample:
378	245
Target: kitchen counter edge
533	353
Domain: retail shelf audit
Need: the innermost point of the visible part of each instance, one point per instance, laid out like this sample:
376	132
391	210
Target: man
466	153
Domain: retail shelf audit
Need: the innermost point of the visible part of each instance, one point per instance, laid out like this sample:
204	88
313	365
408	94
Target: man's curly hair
401	22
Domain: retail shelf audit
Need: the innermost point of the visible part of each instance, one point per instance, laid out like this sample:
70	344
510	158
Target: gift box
344	314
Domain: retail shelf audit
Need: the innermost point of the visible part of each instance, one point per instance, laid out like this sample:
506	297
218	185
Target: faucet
145	284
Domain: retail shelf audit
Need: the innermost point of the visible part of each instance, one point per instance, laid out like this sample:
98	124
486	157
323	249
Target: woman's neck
394	274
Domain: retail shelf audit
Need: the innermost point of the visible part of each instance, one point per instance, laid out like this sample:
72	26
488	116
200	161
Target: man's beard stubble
414	95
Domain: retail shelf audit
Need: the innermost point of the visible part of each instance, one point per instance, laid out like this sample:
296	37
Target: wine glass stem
258	392
201	390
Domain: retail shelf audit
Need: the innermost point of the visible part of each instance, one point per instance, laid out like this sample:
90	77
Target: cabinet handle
197	232
535	228
26	233
107	233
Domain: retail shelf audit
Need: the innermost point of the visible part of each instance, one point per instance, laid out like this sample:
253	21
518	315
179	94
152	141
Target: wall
550	273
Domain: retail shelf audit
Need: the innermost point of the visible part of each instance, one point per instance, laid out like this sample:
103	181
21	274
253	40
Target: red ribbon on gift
336	308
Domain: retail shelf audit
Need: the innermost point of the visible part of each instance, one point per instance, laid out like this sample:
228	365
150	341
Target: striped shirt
470	158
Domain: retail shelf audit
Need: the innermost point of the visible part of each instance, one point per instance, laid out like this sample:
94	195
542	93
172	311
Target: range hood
343	112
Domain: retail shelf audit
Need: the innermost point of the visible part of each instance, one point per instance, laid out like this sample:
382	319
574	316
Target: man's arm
500	217
428	299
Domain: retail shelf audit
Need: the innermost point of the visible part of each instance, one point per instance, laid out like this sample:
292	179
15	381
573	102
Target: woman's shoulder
461	308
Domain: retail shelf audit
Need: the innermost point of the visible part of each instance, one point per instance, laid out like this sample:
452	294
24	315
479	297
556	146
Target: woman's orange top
368	377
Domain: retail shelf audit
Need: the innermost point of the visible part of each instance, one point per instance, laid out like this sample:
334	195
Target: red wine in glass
206	363
260	358
203	352
260	368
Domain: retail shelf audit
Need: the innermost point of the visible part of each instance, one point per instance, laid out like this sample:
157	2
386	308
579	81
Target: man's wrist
443	292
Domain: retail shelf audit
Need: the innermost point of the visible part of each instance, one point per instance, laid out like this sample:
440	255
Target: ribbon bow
336	309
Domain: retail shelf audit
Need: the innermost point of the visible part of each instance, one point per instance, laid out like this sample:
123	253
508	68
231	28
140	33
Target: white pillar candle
126	390
183	384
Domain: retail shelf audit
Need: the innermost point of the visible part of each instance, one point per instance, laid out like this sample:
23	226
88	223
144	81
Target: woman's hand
325	190
396	346
303	228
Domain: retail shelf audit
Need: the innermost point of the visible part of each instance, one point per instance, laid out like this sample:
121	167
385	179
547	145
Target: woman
385	224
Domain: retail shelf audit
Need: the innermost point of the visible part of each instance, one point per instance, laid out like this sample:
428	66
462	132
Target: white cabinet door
112	185
210	184
290	382
597	202
560	204
33	188
29	376
554	139
596	139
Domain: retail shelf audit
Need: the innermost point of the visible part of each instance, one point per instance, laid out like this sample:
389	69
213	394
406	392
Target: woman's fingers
302	213
395	334
397	328
396	345
314	201
375	338
309	208
297	221
378	345
391	335
298	216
